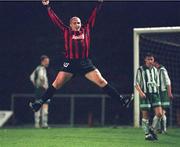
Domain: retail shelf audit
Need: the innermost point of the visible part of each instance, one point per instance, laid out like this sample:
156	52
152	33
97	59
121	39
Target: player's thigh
61	79
96	77
45	106
156	103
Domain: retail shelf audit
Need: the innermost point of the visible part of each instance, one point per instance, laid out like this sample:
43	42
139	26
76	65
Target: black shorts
78	66
39	92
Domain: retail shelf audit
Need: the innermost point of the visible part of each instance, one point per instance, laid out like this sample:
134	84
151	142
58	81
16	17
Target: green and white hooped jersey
163	78
148	79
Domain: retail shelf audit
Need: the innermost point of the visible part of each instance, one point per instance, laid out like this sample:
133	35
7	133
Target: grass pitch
84	137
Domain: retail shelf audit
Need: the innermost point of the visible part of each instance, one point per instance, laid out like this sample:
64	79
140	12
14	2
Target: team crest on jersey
66	64
81	36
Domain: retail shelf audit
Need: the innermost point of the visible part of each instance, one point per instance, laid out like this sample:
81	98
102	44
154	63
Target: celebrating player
147	84
77	61
165	93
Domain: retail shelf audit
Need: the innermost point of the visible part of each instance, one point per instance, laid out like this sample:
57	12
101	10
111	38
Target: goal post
136	42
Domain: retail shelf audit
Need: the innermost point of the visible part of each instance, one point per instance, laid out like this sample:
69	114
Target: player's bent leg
145	125
161	127
145	122
96	77
60	80
156	120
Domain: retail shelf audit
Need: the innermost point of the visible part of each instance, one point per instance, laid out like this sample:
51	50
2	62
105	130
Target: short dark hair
148	54
156	59
43	57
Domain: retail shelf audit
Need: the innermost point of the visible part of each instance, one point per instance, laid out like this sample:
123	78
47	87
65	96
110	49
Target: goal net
163	42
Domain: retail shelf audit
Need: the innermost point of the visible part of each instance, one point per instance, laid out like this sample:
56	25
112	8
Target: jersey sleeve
32	76
92	18
166	77
55	19
138	78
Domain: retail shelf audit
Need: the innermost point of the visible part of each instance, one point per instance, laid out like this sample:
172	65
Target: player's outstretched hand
45	2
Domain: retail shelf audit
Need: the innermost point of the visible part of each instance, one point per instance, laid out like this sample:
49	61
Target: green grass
84	137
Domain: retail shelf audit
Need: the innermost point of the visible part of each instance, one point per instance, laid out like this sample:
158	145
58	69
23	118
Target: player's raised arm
92	17
55	19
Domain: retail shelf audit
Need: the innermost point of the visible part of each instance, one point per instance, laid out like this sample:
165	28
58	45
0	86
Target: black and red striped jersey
76	43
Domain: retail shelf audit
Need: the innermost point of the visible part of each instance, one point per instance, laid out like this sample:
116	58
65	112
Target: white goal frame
136	33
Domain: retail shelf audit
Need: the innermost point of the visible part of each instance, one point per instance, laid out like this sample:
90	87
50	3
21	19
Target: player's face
149	61
75	24
45	62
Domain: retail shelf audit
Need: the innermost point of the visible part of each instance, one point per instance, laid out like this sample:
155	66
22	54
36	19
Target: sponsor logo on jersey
78	37
66	64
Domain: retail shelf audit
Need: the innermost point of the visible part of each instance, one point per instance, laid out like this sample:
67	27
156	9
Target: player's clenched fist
45	2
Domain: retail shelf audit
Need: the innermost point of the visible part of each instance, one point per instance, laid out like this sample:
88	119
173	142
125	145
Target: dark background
26	32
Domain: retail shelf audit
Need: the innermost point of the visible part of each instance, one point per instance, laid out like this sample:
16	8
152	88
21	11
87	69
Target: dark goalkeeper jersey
77	43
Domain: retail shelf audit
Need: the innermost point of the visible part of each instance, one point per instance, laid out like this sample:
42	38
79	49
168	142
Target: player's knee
101	82
56	85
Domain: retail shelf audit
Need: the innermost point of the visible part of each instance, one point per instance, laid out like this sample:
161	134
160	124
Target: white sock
145	125
44	117
164	120
156	121
37	119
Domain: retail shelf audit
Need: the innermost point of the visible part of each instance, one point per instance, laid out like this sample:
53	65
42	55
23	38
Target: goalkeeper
77	61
